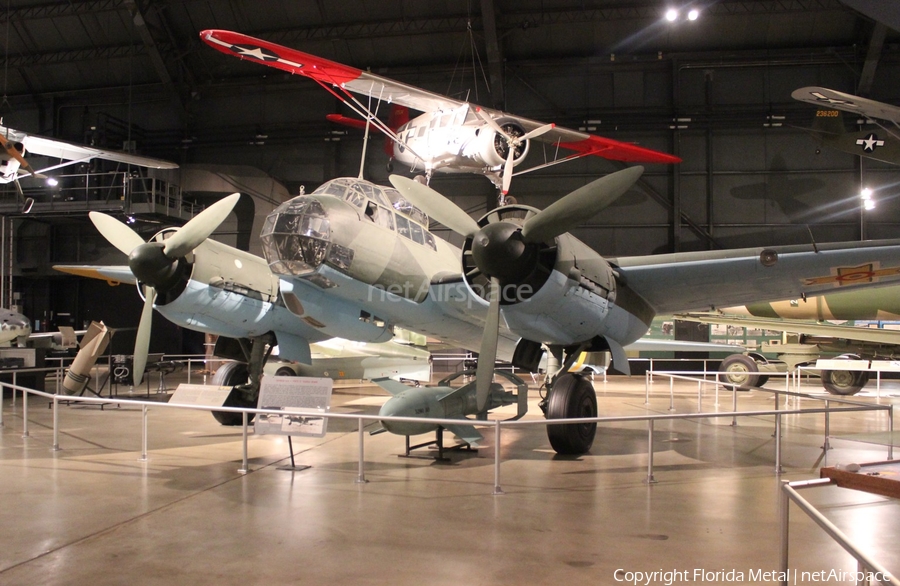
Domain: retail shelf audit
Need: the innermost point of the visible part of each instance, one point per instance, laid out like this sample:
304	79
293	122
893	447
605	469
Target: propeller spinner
507	253
157	264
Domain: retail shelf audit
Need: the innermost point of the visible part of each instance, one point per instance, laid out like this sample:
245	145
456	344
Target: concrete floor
92	513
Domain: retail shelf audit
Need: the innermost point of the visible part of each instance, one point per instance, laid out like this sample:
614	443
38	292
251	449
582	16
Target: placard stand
293	467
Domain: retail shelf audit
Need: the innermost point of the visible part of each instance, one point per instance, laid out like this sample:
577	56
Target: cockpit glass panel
416	231
269	225
315	227
334	188
379	197
404	207
429	241
384	217
403	226
287	224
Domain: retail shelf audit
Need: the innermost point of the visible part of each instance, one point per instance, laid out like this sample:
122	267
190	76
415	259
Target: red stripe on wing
618	151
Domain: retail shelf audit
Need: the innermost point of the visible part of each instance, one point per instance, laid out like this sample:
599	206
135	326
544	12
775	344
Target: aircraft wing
825	97
329	73
794	326
648	344
51	147
111	274
692	281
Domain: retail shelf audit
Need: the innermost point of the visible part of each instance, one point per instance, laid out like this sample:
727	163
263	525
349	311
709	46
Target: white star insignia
823	98
255	52
869	143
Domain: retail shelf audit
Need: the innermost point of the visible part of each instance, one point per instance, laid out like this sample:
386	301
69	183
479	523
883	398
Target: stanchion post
646	388
650	479
143	457
827	446
785	502
671	393
244	465
55	423
497	489
13	389
2	390
24	413
361	472
778	468
891	430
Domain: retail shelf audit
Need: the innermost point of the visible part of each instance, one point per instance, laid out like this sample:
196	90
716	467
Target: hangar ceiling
715	91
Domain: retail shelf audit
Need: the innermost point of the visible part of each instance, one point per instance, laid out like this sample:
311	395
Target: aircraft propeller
508	253
512	142
157	264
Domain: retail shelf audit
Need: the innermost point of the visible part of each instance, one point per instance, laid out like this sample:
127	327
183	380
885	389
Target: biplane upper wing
827	98
329	73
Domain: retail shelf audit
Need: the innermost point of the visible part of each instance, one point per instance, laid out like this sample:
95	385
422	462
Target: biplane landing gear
244	377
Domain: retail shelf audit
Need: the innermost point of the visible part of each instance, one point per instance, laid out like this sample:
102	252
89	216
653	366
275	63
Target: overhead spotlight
866	196
52	181
130	220
693	14
671	14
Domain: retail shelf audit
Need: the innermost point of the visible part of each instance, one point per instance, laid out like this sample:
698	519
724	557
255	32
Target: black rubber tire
741	370
844	382
228	375
285	371
572	396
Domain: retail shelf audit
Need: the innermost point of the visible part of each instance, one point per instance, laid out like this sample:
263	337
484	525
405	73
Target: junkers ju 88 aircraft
353	260
451	136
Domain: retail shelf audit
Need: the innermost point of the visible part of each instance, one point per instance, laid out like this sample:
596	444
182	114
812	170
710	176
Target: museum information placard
297	398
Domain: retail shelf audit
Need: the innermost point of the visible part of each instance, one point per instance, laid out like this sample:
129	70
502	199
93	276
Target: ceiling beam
494	55
873	54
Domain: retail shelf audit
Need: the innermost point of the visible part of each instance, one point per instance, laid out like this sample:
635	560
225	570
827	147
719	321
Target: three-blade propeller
503	251
155	264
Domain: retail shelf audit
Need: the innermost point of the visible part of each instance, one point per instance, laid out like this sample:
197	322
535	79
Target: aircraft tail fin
466	433
829	122
398	117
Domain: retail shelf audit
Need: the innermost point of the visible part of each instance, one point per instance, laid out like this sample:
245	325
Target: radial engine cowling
535	276
493	148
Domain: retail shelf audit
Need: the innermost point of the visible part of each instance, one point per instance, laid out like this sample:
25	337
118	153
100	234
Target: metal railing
777	393
496	425
867	568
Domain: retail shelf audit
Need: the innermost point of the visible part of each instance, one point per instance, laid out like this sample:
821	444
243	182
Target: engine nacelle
492	149
557	292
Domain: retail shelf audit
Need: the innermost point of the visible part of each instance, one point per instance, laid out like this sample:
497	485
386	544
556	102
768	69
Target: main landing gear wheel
233	374
572	395
844	382
741	370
